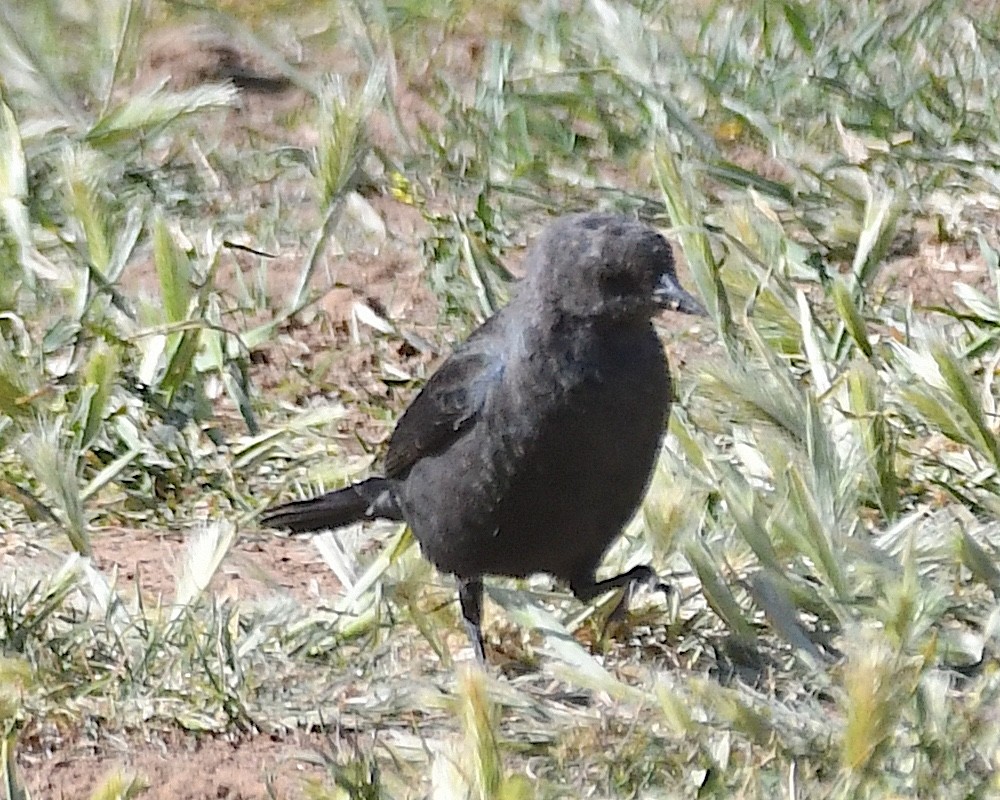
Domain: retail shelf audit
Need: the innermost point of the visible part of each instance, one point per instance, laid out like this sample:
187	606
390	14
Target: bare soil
258	565
182	767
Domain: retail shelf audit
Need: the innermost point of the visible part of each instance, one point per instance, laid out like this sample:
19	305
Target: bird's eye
619	285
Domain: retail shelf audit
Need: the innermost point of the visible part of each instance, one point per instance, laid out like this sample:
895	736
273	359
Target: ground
184	768
180	766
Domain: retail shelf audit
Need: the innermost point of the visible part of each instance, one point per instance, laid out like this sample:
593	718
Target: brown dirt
181	767
258	565
928	274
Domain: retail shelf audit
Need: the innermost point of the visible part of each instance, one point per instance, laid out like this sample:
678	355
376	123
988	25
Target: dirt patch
928	275
257	565
181	767
759	163
189	55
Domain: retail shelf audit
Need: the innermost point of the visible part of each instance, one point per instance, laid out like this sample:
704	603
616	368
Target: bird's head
605	267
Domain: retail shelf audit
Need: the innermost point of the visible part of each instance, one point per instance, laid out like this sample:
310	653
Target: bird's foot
645	575
641	575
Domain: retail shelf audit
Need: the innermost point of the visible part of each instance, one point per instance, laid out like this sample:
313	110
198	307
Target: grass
826	501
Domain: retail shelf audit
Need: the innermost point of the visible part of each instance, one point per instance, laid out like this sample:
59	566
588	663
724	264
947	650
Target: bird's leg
470	597
587	588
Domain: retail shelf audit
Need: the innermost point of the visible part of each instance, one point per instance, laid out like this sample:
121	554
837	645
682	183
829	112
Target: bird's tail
370	499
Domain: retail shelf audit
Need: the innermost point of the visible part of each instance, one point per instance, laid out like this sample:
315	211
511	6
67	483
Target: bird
533	443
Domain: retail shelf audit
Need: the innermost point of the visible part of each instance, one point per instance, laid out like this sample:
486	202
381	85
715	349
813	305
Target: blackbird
531	446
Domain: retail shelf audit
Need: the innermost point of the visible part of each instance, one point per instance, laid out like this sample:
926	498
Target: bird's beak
670	294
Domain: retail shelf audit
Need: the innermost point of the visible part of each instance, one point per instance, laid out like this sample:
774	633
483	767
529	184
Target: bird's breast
585	410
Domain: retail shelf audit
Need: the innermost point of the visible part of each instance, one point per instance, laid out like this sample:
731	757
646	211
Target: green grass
826	501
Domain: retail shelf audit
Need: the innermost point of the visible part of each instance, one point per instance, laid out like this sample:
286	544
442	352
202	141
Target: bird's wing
447	405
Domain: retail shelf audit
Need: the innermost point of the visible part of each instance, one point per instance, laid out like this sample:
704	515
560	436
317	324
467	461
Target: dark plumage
532	445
